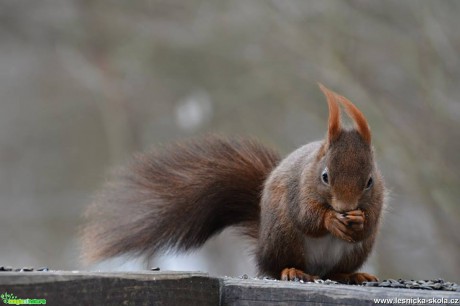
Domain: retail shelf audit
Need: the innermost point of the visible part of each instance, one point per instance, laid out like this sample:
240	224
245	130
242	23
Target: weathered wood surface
250	292
185	288
92	288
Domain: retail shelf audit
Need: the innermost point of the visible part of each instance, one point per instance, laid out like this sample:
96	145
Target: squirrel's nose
344	206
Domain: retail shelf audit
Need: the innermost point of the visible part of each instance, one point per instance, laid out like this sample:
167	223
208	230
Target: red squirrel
314	214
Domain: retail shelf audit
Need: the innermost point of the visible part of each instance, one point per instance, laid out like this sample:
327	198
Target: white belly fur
322	254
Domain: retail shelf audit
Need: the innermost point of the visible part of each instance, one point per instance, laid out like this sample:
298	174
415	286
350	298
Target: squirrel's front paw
293	274
353	219
344	225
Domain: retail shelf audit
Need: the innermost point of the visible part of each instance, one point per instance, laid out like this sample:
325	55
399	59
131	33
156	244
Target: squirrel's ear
334	127
358	117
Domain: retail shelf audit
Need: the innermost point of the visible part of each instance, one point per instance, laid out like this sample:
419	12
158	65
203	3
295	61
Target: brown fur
177	198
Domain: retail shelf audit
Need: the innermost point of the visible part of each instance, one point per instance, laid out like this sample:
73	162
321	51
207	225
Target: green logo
9	298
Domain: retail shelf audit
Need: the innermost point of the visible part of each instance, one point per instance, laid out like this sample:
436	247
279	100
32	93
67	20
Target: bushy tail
177	198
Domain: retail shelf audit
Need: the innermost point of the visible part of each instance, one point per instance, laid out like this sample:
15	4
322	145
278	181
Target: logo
11	299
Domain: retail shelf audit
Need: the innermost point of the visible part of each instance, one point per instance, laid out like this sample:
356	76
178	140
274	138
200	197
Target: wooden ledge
193	288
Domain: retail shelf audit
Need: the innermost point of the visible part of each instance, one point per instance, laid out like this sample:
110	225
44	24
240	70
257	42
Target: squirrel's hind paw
293	274
354	278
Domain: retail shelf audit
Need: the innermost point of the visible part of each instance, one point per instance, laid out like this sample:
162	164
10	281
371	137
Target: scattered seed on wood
6	268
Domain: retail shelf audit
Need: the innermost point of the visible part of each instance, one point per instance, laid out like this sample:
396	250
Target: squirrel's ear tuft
358	117
334	127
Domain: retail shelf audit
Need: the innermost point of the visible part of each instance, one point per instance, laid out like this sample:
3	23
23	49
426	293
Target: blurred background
84	84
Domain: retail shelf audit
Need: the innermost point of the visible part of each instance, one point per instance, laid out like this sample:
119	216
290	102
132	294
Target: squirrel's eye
325	176
369	184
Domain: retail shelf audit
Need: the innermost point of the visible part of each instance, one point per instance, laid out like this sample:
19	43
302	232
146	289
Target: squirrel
314	214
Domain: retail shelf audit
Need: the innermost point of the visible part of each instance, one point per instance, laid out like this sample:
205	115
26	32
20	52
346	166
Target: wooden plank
189	288
86	288
266	292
